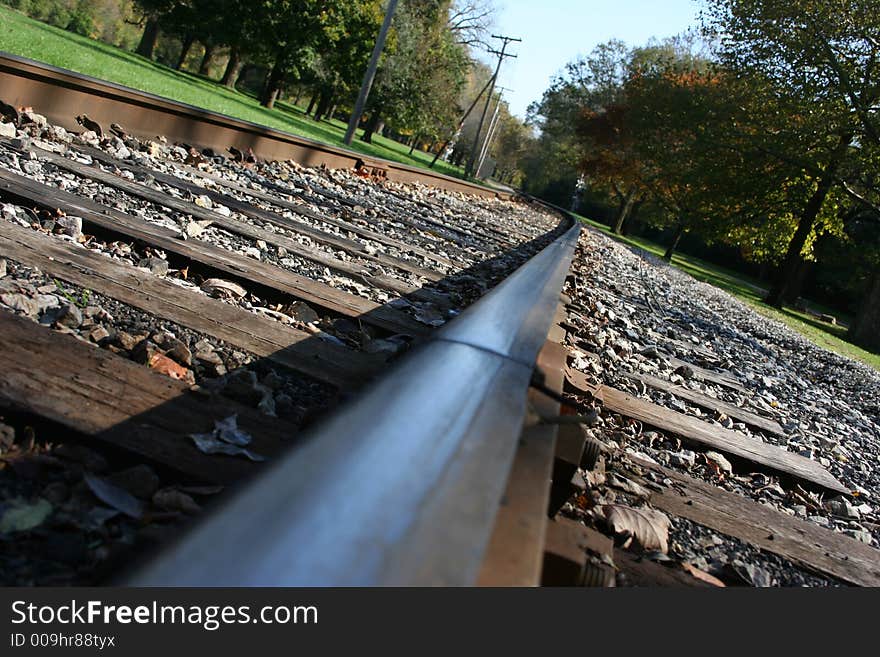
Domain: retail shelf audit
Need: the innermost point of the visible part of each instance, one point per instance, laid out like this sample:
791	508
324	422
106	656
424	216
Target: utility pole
367	84
461	123
502	55
490	133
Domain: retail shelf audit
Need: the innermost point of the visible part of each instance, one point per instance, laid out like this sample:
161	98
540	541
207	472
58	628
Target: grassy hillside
26	37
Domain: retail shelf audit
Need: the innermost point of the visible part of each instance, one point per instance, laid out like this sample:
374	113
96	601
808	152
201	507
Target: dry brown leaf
164	365
627	485
702	575
648	527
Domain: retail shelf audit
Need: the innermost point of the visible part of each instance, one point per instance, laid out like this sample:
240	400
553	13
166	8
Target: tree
421	74
610	158
586	84
469	22
337	72
291	33
512	143
637	114
152	12
668	116
814	64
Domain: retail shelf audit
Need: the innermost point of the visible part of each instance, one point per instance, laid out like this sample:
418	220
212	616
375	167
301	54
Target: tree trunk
273	86
206	60
149	39
243	73
233	69
312	103
797	282
631	225
779	291
865	329
324	102
676	238
184	51
415	140
625	208
371	127
438	153
785	278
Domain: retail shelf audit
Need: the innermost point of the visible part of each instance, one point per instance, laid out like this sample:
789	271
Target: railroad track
255	373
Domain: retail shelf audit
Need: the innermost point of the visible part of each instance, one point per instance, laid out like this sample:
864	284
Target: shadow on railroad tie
161	436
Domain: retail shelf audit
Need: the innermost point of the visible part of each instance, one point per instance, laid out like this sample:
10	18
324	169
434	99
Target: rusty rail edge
402	486
61	95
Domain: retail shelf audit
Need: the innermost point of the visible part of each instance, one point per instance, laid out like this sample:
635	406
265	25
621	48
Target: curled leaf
209	444
702	575
227	430
114	496
648	527
23	516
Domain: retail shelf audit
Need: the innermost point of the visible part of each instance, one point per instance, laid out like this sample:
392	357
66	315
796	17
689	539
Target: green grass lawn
750	291
26	37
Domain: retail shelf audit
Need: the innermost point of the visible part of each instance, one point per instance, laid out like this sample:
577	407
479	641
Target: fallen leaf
227	430
114	496
719	460
23	516
648	527
171	499
217	287
207	443
164	365
628	486
702	575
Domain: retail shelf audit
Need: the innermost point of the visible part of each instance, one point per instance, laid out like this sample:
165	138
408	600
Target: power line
461	123
502	55
490	133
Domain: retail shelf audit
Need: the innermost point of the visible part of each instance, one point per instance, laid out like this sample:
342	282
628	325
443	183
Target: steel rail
401	487
61	95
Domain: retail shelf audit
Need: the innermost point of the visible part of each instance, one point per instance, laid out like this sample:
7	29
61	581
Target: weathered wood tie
242	207
516	549
710	403
724	440
239	228
801	541
261	336
126	405
281	200
233	264
710	436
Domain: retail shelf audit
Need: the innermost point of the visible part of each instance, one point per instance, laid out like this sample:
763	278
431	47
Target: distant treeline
753	142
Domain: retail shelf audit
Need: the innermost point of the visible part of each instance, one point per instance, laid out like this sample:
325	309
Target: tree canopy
761	133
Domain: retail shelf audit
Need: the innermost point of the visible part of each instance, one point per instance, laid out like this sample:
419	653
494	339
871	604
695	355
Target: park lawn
26	37
827	336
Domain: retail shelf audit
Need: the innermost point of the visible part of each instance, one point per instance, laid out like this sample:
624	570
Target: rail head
403	485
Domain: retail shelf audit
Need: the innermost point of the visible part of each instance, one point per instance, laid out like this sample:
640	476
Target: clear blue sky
556	31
